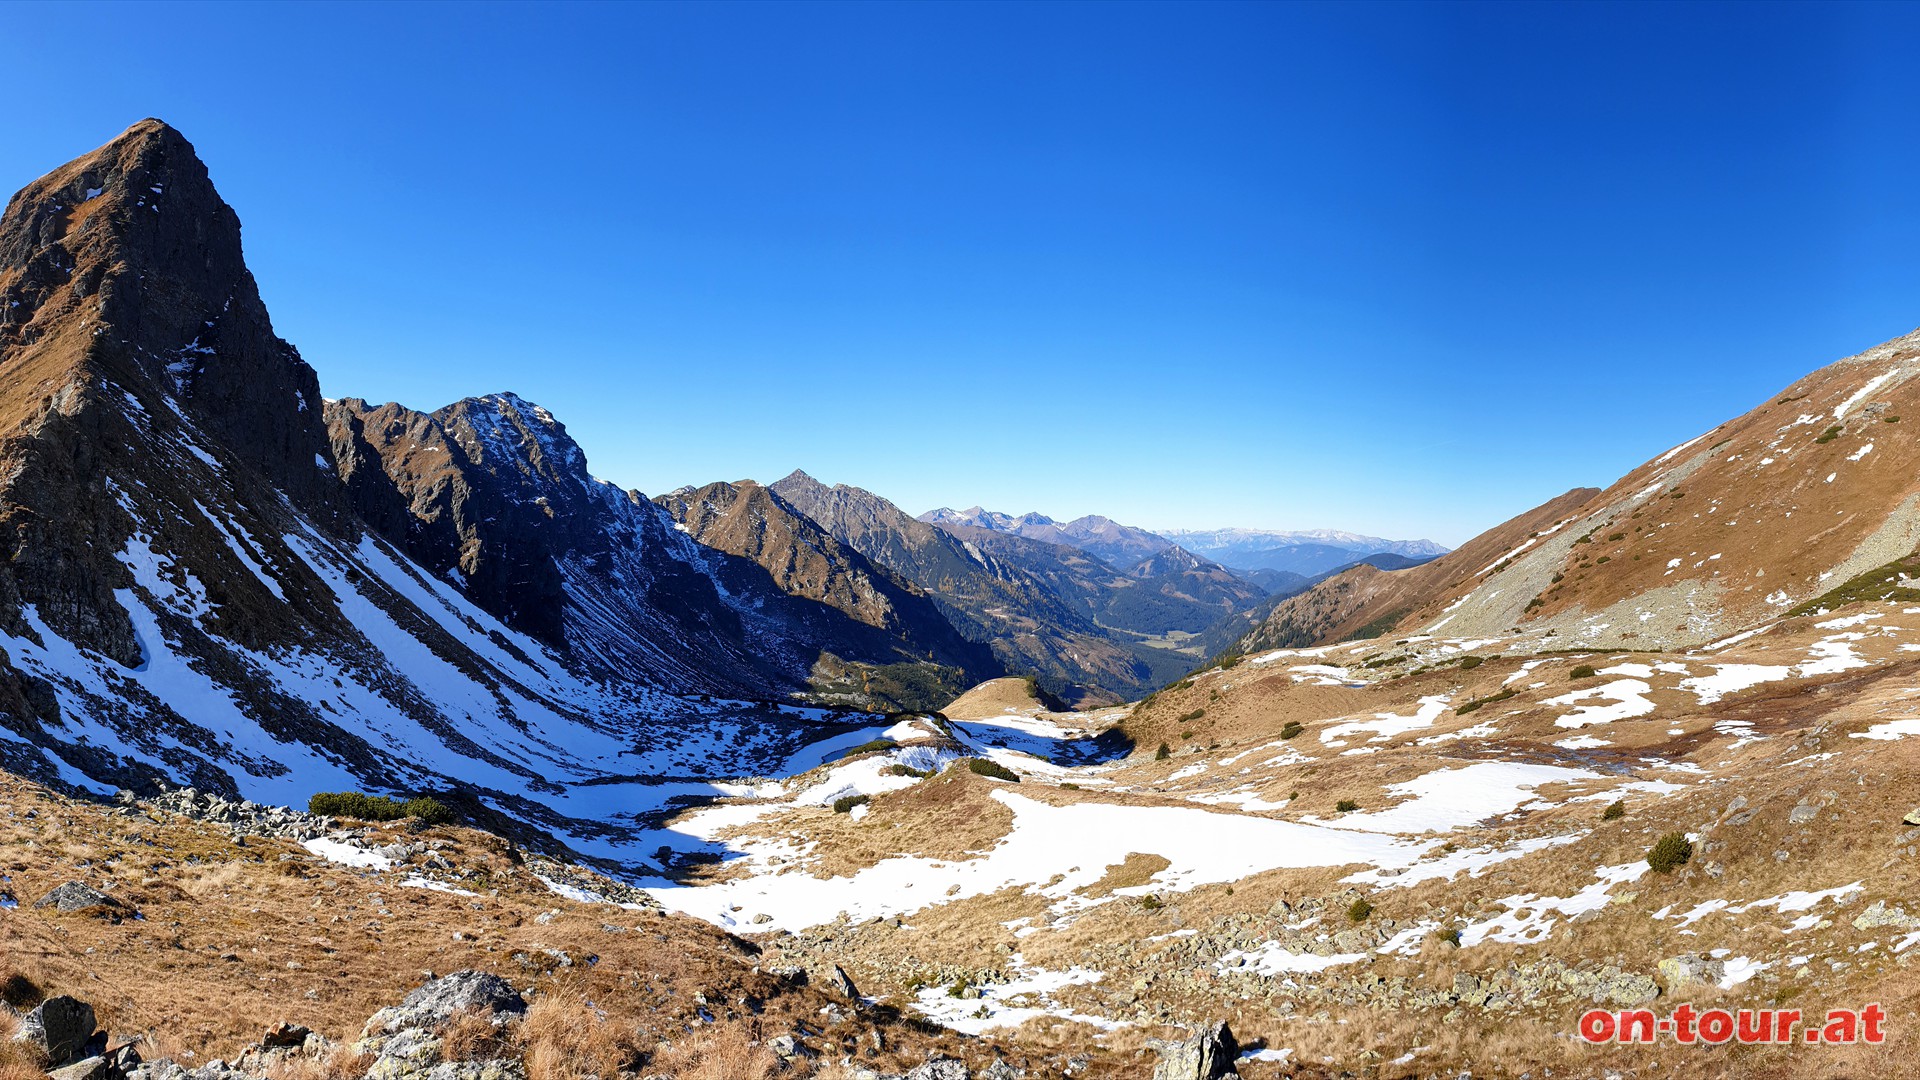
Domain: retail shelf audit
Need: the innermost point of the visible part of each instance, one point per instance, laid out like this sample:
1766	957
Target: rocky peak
126	265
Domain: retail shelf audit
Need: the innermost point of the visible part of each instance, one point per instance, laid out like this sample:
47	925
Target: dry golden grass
565	1038
717	1055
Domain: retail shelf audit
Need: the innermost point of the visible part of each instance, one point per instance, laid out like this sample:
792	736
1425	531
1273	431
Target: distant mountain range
1314	551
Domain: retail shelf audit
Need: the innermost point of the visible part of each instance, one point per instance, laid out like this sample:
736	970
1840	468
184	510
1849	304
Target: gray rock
1208	1055
1679	971
60	1027
1880	915
1803	815
74	896
939	1068
464	991
1912	818
93	1068
839	983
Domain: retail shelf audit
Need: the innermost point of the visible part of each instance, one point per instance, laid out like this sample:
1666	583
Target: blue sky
1405	269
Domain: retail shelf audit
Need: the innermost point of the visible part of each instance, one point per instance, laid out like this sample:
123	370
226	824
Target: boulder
75	896
465	991
1208	1055
939	1067
839	983
93	1068
1912	818
1879	915
1679	971
60	1027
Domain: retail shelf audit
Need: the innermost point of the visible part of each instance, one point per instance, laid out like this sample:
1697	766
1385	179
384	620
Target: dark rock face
493	494
60	1027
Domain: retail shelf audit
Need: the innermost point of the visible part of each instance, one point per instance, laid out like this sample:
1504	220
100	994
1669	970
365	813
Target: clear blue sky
1406	269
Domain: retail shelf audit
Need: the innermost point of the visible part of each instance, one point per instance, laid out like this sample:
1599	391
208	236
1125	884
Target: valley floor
1398	858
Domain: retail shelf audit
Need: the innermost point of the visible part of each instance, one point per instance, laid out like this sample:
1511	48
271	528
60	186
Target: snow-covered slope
205	584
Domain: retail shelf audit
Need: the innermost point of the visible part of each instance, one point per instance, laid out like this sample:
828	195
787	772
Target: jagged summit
125	266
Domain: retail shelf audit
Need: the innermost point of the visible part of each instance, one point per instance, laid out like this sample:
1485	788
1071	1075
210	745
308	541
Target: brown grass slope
1368	601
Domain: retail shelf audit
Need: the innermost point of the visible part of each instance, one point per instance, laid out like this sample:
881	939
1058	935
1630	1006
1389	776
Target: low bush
1163	753
1449	936
1670	852
1584	671
1490	699
1359	910
983	767
1829	435
908	770
1614	812
1292	729
1346	806
846	803
872	746
363	807
1469	662
1190	717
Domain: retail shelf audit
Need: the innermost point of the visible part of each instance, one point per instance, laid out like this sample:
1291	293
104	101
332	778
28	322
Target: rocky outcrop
1208	1055
77	896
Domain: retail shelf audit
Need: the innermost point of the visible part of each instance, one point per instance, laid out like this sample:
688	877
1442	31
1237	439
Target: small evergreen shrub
1292	729
983	767
363	807
1828	435
908	770
1346	806
1670	852
871	747
1152	902
1359	910
845	803
1614	812
1469	662
1449	936
1190	717
1584	671
1163	753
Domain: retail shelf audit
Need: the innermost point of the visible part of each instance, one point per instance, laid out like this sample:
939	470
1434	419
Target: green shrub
1490	699
1601	559
908	770
1292	729
1449	936
1828	435
1190	717
846	803
1359	910
1346	806
1163	753
873	746
1670	852
1614	538
1584	671
983	767
1152	902
363	807
429	810
1469	662
1614	812
1889	419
